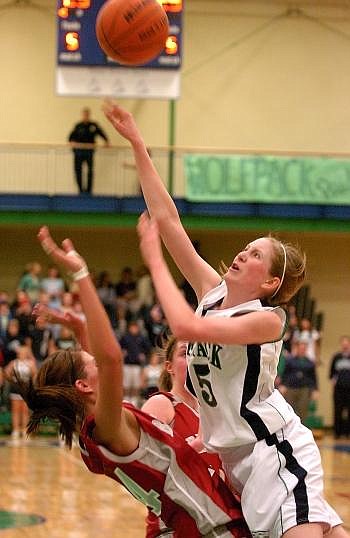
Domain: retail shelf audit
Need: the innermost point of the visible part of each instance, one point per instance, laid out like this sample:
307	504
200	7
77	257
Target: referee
82	140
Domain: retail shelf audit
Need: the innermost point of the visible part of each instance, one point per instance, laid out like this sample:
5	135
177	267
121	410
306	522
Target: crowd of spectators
139	325
297	372
130	303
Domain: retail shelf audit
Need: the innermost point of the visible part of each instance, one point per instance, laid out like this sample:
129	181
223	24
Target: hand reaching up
150	243
43	313
121	120
66	256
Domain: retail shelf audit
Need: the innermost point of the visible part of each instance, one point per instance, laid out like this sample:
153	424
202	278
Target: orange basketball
132	32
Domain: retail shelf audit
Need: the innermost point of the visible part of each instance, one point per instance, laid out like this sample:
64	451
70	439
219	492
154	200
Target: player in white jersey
236	338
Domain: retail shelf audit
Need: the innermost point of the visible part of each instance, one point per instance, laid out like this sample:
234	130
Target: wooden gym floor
46	492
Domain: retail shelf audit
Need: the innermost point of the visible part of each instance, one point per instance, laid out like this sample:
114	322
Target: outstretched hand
150	243
43	313
121	120
66	256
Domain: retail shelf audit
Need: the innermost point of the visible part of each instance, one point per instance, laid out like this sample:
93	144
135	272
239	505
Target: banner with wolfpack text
267	179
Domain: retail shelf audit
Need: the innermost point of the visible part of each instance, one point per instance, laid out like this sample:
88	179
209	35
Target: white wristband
73	253
82	273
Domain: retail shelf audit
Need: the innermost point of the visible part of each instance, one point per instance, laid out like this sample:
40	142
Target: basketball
132	32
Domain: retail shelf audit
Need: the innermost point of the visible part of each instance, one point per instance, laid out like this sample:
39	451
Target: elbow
166	217
162	218
186	329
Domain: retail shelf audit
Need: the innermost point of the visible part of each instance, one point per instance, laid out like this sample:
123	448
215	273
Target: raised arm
252	328
161	206
116	427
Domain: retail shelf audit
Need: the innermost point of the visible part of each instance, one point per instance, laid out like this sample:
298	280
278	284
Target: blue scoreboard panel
77	42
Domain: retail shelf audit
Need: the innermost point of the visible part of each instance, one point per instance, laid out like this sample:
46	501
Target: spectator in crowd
54	286
78	310
4	296
136	348
289	343
67	302
150	374
312	338
5	316
42	340
12	341
24	317
21	298
65	339
125	288
70	305
289	336
23	367
298	381
30	282
340	376
106	292
155	324
2	383
83	142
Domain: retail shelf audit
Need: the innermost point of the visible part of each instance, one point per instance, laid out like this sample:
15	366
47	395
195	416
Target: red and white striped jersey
166	475
185	424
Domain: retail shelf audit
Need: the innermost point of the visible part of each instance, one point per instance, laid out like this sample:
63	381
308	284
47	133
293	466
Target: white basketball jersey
235	383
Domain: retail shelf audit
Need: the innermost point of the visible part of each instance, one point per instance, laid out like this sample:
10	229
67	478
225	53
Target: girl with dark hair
84	394
172	403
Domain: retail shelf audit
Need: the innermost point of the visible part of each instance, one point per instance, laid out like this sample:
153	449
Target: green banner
267	179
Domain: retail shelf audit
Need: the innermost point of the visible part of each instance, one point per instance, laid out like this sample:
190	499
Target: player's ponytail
288	263
53	394
167	352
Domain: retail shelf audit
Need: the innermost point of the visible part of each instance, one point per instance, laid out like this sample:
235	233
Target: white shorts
131	376
280	480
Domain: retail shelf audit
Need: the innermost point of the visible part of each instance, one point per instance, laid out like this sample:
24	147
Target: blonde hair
289	264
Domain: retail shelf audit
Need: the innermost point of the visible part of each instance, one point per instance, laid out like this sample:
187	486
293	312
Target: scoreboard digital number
77	43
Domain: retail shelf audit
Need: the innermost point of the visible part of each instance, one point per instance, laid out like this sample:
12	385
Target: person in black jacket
298	380
136	348
82	139
340	375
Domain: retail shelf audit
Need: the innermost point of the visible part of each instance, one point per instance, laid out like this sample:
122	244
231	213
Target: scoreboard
77	43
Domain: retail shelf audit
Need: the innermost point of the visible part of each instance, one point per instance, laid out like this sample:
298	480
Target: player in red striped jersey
176	406
84	393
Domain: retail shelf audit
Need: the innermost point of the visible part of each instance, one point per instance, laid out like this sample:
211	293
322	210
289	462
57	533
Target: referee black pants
82	156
